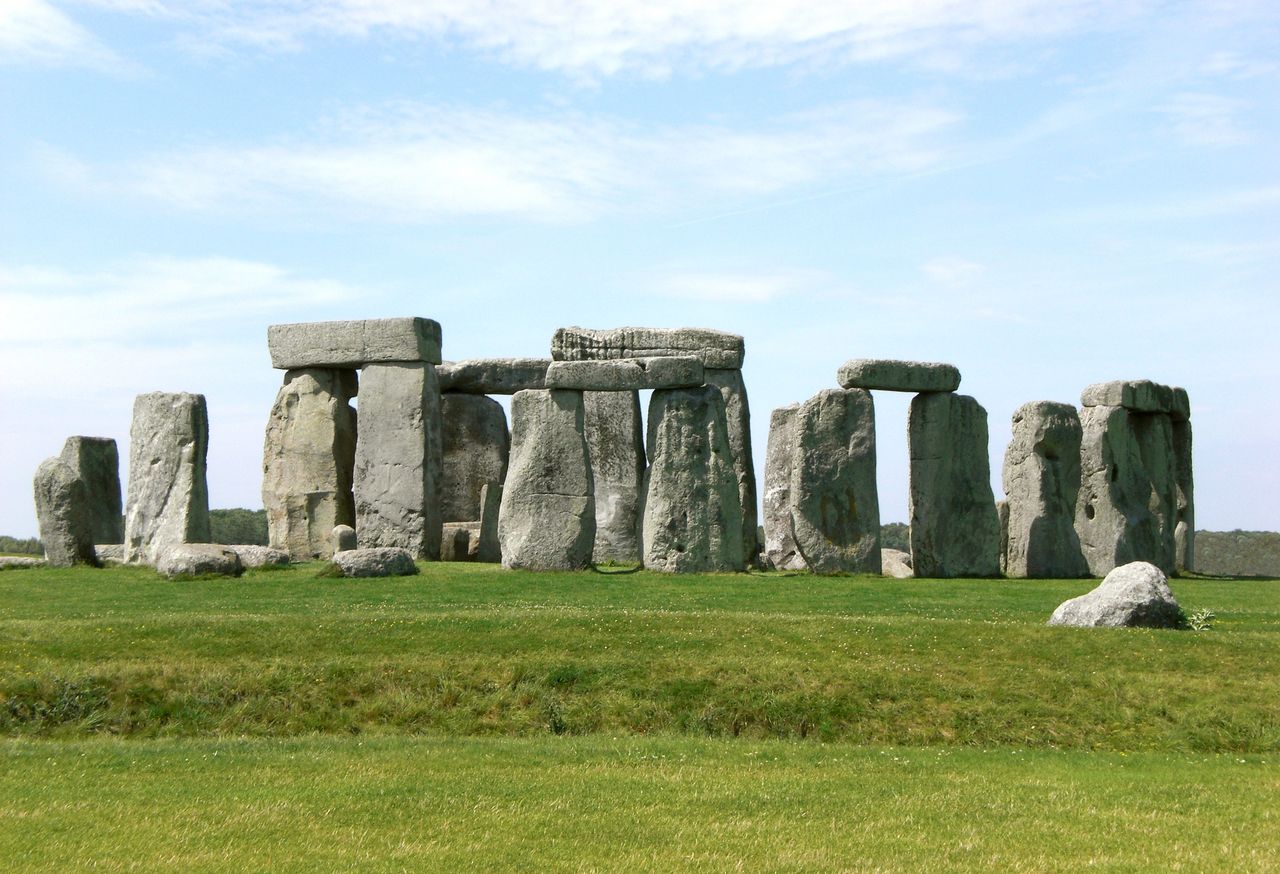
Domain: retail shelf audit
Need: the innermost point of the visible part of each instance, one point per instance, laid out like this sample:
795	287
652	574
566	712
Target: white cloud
734	287
1206	119
34	32
952	271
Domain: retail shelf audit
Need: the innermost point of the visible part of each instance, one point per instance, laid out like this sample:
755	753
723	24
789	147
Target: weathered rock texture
890	375
1133	595
378	561
96	461
398	459
738	416
615	443
626	374
342	538
62	511
198	559
895	563
713	348
349	345
547	519
488	548
1238	553
835	508
692	519
955	529
493	376
109	552
1184	532
458	541
1138	395
1041	481
476	447
780	552
252	555
308	459
168	500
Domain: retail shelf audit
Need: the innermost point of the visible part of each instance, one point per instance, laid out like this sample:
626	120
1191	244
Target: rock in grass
896	563
380	561
198	559
62	509
260	556
20	561
1133	595
343	537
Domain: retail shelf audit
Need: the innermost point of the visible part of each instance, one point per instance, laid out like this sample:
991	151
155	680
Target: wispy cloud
952	271
35	32
1204	119
745	287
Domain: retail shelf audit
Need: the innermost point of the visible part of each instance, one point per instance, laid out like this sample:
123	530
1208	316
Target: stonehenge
63	513
96	461
168	496
615	442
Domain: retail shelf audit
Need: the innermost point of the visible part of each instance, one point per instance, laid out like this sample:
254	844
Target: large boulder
1133	595
96	461
254	556
780	551
887	374
378	561
198	559
476	447
352	344
896	563
737	413
62	511
615	442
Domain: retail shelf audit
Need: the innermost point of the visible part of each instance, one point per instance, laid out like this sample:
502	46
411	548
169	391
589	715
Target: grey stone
96	461
168	496
1042	481
890	375
626	374
1139	395
378	561
398	459
63	513
308	459
835	507
487	547
615	443
343	537
459	541
1180	405
1002	513
198	559
780	551
712	348
493	376
547	518
113	552
738	416
476	448
1132	595
14	562
350	345
895	563
1184	532
692	520
253	556
955	528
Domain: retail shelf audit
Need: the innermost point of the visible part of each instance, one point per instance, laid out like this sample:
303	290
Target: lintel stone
492	376
886	374
352	344
1138	395
716	349
627	374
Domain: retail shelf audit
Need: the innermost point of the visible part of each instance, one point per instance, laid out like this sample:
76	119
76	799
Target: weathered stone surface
62	510
168	498
626	374
547	518
487	547
890	375
1128	494
398	459
476	447
835	507
197	559
1238	553
615	443
343	537
1041	481
692	519
737	413
1002	513
1139	395
1184	532
712	348
1132	595
13	562
955	528
106	552
493	376
780	551
308	458
378	561
252	555
349	345
458	541
1180	405
895	563
96	461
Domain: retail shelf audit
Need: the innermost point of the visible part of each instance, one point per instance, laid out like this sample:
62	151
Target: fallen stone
254	556
626	374
1139	395
835	507
896	563
615	444
96	461
1135	595
15	562
738	416
889	375
487	548
493	376
457	542
712	348
350	345
342	538
780	551
547	518
168	495
62	510
378	561
198	559
476	447
955	528
109	552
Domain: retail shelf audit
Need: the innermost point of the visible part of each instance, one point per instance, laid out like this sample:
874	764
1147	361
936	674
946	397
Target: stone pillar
955	528
692	518
476	448
63	513
1184	532
1041	482
738	415
547	517
96	461
168	499
308	460
780	552
835	506
488	549
615	441
398	458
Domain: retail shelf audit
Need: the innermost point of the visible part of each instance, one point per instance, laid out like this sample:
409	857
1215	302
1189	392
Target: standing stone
168	500
398	459
835	507
738	415
63	512
488	548
615	442
476	447
1041	481
692	518
342	538
96	461
955	528
308	460
780	550
1184	532
547	518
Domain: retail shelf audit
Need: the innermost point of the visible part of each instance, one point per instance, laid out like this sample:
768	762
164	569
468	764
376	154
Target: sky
1045	193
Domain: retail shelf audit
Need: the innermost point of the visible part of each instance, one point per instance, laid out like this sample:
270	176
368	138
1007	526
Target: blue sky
1046	194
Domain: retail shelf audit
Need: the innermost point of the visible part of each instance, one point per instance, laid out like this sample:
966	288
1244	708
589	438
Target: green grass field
479	719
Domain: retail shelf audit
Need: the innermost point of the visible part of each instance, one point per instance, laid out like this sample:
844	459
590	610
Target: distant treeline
22	546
